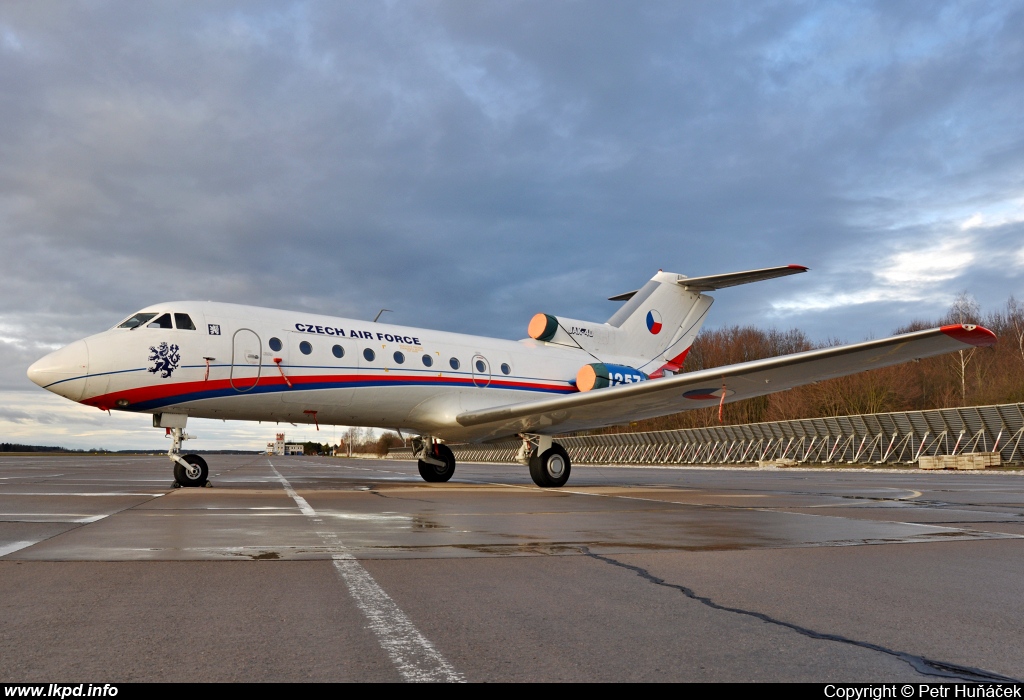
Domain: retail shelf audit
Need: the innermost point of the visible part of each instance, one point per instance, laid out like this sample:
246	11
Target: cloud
997	214
913	269
10	40
41	418
918	271
11	415
470	164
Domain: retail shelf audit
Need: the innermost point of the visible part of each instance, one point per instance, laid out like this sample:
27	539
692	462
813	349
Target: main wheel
434	473
193	476
551	469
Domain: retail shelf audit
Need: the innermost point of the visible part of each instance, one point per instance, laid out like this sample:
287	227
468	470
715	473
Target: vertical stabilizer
655	328
659	322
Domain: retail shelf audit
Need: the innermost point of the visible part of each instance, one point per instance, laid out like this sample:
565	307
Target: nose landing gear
189	470
193	473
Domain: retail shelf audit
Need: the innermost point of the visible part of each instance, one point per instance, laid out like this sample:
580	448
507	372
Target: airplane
185	359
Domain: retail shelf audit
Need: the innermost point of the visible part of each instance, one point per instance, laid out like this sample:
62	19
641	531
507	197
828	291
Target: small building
280	447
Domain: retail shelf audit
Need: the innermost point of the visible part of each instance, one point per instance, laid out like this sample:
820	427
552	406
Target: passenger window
162	322
505	369
183	322
305	348
338	351
136	320
427	360
275	344
454	363
399	358
480	366
369	354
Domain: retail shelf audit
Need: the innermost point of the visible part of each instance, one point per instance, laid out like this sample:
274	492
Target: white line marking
58	493
51	518
32	476
413	655
6	549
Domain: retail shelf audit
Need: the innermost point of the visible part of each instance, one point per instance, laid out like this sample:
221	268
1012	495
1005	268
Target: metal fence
871	438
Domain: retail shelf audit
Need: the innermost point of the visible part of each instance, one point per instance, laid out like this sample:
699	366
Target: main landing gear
189	470
436	461
548	461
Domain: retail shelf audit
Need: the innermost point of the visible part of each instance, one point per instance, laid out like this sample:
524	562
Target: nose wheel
193	473
189	470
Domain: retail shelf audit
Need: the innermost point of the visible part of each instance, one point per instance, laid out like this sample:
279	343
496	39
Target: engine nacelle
552	329
599	375
592	337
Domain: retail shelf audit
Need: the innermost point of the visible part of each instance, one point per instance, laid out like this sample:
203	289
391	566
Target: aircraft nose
64	371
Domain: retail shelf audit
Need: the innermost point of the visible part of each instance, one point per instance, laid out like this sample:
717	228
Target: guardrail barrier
876	438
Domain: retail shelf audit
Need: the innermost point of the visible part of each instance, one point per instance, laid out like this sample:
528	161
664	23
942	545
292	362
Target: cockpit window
136	320
183	322
163	322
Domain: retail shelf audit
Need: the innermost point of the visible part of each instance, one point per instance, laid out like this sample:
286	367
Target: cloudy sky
468	164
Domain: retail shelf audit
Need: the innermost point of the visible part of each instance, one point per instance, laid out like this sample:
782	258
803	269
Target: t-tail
653	330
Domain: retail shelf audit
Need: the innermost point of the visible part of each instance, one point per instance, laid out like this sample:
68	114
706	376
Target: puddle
265	556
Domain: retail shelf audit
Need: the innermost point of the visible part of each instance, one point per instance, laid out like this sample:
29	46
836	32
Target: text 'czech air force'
340	332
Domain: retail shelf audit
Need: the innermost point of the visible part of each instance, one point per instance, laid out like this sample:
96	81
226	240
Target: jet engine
597	338
599	375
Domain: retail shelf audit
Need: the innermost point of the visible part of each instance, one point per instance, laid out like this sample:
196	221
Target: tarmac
323	569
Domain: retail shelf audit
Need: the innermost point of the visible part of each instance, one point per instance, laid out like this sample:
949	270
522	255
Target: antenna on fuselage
379	313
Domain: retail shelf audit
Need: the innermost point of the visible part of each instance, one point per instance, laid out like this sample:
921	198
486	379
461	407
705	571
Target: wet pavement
299	568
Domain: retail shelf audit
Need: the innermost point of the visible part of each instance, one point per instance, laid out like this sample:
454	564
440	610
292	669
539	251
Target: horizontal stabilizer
729	279
732	279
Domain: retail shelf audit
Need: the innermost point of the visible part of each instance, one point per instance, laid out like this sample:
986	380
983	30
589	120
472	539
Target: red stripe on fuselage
158	392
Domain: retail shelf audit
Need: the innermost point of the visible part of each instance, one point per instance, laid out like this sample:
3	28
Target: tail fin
653	331
658	323
662	318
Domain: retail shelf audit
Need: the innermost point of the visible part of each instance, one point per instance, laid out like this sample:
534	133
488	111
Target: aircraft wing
658	397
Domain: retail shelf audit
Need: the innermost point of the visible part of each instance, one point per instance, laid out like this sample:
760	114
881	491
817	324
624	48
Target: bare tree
964	309
1015	321
351	439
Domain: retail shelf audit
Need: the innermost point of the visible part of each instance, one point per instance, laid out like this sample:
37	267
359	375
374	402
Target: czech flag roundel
654	322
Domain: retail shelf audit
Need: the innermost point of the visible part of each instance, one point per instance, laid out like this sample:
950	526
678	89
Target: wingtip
970	334
801	268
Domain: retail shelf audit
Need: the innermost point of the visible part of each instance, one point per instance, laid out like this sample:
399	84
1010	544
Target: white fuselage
272	365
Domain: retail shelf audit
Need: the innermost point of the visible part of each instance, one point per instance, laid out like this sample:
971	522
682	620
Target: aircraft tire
435	474
537	474
551	469
182	477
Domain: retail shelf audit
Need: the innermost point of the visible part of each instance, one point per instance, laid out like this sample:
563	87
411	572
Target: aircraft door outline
481	374
246	353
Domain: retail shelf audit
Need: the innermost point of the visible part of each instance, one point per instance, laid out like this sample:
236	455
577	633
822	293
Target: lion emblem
165	359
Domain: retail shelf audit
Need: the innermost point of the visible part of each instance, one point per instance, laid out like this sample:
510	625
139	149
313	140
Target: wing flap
657	397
